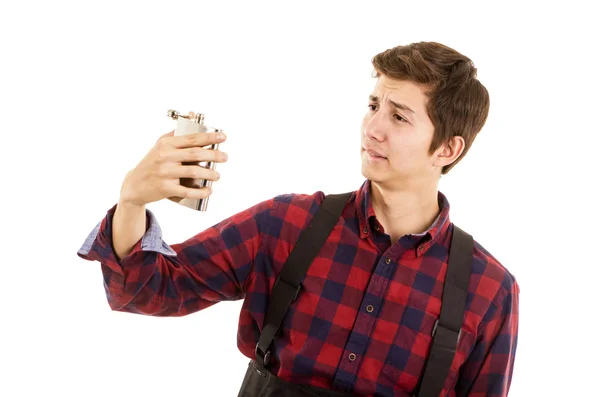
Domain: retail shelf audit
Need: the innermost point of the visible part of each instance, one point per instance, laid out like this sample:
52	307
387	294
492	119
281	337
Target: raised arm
161	280
142	273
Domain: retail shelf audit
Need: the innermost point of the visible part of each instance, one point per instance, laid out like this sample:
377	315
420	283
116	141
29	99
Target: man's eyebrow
397	105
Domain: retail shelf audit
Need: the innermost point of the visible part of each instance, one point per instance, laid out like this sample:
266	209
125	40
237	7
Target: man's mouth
374	154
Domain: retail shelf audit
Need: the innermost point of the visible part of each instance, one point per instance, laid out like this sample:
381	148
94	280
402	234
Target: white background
85	87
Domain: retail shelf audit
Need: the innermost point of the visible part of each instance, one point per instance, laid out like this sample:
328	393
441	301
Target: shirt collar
368	221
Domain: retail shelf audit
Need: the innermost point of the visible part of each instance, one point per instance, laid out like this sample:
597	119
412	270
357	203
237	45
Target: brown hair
458	103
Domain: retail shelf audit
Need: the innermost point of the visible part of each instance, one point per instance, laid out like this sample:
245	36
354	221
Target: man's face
402	134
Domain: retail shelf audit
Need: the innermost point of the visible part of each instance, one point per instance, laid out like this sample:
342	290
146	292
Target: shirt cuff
150	241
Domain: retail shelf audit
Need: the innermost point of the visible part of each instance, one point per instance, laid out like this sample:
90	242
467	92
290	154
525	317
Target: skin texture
404	185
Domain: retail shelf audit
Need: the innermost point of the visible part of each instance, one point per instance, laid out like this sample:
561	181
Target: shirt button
377	227
365	230
352	357
388	260
370	308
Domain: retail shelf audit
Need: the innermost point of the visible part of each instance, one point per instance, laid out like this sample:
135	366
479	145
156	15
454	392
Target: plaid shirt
362	322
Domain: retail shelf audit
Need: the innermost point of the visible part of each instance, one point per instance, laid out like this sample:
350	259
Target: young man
364	319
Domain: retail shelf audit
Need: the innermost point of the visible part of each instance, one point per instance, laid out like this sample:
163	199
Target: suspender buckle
448	338
288	286
263	360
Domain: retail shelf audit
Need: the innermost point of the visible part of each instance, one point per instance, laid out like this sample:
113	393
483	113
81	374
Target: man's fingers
193	172
200	139
194	154
192	193
173	173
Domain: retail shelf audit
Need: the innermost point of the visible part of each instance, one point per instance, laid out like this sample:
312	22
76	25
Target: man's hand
157	175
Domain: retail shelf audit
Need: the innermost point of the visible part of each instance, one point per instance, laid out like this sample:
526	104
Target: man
363	320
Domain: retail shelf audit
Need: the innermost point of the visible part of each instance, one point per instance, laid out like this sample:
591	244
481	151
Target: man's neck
408	211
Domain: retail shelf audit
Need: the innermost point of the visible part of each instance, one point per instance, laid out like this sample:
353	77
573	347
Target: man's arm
156	279
128	227
488	370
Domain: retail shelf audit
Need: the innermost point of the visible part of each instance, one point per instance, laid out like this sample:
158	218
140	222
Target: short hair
458	104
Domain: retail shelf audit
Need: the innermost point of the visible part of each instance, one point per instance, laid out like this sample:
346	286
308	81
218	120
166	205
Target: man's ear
448	152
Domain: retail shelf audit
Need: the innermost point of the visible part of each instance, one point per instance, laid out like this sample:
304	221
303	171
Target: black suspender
446	330
287	285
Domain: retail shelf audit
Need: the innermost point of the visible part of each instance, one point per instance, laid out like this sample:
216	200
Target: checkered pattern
362	322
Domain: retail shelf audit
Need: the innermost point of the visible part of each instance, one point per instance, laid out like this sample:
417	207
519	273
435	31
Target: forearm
128	227
154	278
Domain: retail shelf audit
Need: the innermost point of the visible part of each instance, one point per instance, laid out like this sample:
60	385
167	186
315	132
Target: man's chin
370	175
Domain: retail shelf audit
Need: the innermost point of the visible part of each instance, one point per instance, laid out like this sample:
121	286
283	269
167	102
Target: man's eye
397	116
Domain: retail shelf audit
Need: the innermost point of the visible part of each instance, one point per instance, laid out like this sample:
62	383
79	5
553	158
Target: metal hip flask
193	123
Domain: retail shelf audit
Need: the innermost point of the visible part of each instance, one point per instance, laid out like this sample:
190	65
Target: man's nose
375	128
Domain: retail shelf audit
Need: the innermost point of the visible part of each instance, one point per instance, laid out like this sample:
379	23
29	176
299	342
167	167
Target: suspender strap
446	330
287	285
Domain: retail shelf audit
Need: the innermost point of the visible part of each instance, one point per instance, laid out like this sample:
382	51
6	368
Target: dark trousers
259	382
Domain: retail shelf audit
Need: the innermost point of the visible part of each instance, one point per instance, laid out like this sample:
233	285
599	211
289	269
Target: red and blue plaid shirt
363	320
